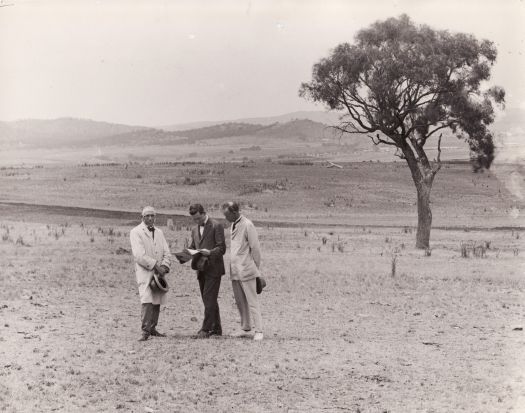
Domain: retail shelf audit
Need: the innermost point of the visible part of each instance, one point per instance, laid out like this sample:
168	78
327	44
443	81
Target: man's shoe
144	337
155	333
215	333
258	336
202	334
241	333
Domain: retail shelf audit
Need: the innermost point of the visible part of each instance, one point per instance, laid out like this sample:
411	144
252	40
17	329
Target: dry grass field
342	332
355	319
288	190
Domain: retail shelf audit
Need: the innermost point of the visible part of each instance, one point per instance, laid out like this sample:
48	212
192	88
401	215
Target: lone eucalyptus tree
403	84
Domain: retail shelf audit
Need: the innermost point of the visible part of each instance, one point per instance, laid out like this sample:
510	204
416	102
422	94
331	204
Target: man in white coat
152	255
245	261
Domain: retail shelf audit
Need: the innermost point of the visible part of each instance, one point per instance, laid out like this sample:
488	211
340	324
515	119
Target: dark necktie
152	230
234	224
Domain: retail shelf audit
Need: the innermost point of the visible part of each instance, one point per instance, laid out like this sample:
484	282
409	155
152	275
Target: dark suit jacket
213	240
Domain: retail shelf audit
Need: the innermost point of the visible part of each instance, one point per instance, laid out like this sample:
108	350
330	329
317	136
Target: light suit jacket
147	251
245	251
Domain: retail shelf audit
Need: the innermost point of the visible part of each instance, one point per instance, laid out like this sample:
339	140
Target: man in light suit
245	261
152	255
208	237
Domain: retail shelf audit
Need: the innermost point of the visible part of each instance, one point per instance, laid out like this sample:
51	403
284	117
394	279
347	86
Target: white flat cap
149	210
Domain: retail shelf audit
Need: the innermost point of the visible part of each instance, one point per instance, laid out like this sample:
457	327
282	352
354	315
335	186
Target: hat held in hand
158	283
260	283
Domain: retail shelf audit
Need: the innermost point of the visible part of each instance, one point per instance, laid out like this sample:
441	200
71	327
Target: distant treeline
126	164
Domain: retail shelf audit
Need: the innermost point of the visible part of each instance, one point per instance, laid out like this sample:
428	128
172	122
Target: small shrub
251	148
479	251
393	266
193	181
296	162
464	250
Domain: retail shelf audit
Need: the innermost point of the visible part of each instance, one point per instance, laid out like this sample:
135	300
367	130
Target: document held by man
186	254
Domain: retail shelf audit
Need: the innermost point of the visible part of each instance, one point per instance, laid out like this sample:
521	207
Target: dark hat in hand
183	256
260	284
199	262
158	283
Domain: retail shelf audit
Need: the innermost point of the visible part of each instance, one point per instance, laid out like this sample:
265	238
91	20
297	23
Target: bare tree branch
377	140
446	125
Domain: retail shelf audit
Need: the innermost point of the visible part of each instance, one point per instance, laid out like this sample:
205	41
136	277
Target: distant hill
222	130
53	132
328	118
512	121
303	130
306	126
154	136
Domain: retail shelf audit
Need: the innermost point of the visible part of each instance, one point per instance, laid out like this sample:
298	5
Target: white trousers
245	293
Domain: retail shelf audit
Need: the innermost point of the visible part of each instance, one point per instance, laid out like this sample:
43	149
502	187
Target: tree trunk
424	215
423	178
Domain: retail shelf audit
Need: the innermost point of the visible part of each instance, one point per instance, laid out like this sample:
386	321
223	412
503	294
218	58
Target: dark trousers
150	317
209	287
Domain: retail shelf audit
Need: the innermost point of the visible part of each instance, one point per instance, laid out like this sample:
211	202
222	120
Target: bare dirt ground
342	333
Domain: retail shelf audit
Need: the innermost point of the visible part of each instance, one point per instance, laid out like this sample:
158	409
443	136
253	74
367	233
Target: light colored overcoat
148	250
245	252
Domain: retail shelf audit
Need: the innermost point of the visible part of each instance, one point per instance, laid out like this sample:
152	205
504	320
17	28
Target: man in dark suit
208	237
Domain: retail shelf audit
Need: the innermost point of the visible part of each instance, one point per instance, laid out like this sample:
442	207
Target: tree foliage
402	84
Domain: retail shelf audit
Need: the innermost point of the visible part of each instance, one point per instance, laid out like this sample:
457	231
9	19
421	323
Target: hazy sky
165	62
